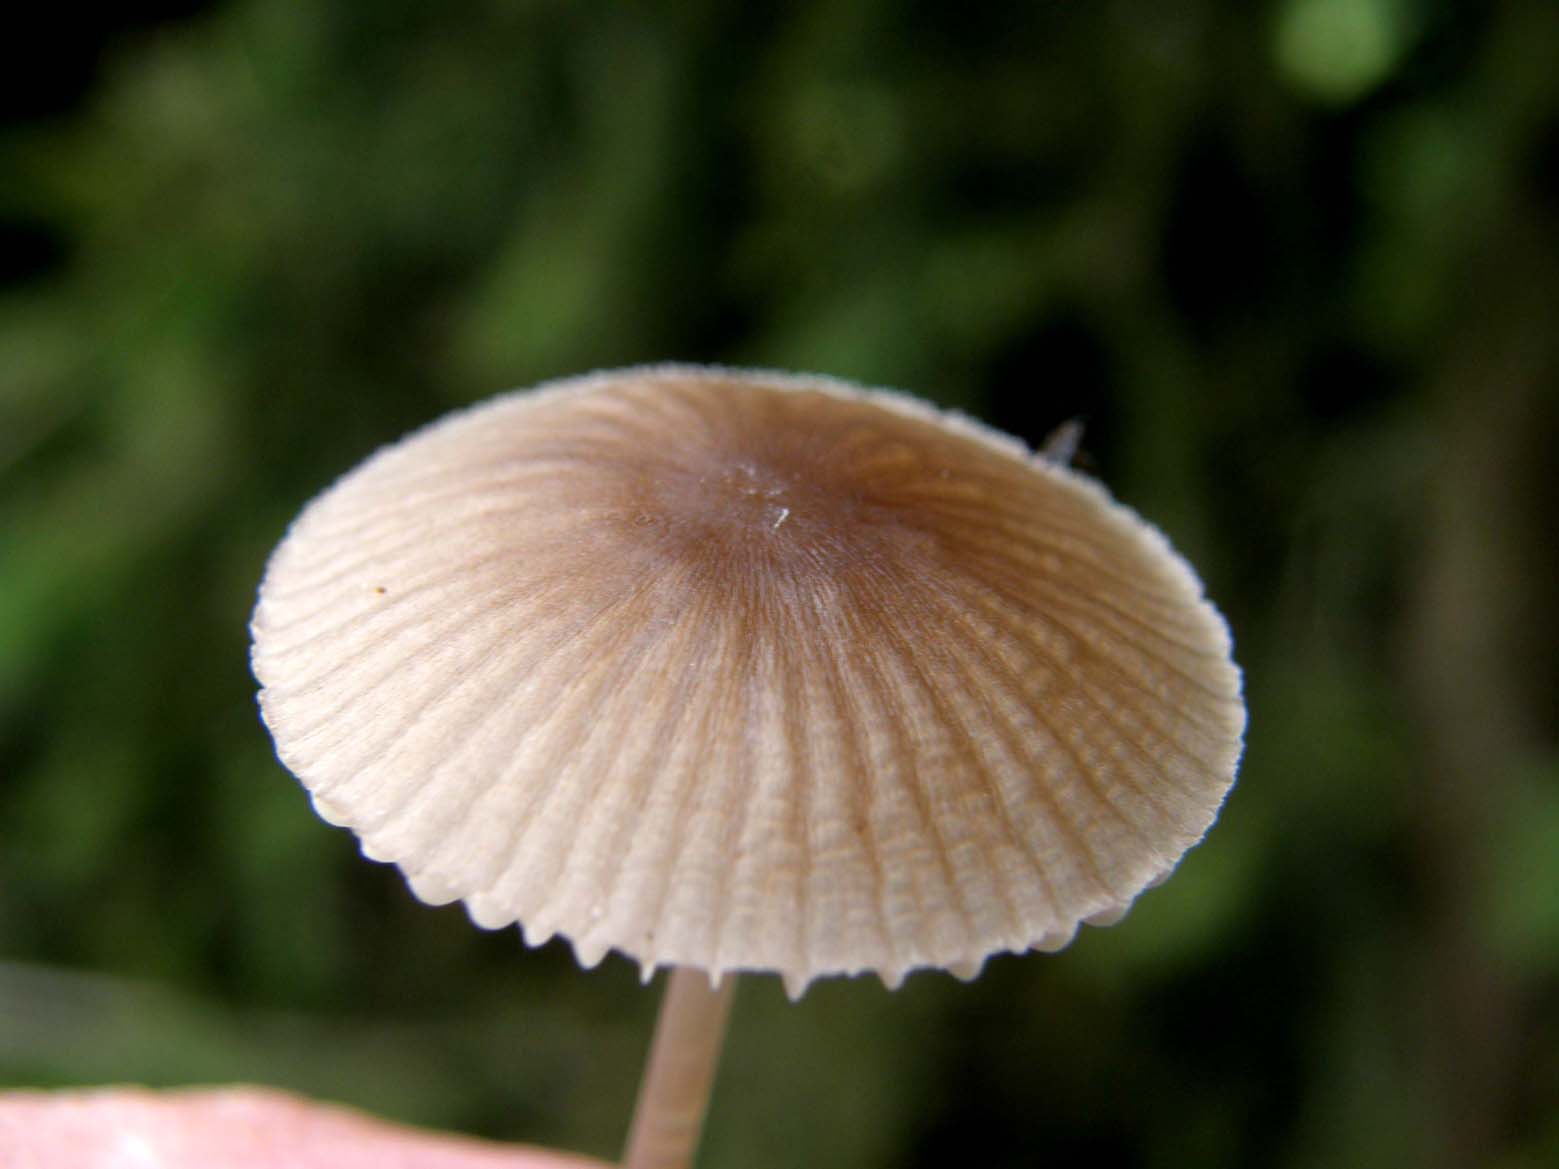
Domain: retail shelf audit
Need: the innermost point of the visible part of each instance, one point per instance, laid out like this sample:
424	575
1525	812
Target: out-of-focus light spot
1339	50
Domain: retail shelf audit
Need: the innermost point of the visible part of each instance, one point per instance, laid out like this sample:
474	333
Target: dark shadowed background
1295	264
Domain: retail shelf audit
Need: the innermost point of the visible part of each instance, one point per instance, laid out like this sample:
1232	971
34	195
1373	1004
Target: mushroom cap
748	671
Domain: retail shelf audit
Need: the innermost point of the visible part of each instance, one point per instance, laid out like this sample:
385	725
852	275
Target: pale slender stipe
684	1054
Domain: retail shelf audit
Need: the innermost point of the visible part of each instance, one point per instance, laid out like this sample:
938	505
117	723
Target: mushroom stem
680	1072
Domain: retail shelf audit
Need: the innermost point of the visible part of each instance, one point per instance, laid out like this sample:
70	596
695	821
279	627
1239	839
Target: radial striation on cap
747	671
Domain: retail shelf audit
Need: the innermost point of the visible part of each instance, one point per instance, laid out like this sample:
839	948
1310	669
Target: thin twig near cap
681	1071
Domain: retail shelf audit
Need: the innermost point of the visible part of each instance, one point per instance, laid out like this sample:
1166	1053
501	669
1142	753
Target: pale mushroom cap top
739	670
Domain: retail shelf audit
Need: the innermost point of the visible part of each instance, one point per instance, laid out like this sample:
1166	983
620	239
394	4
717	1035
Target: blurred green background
1296	265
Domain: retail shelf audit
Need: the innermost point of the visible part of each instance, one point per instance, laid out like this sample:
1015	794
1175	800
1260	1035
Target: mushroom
739	671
